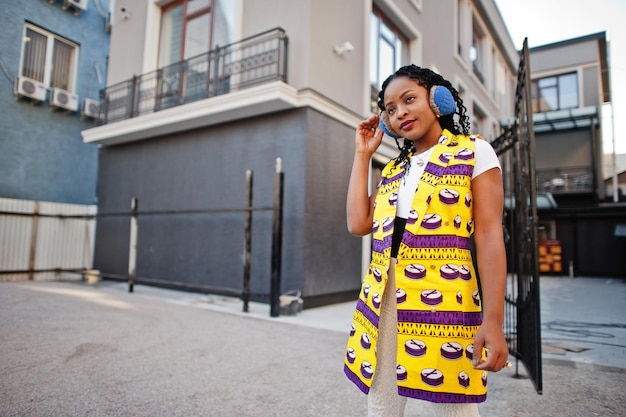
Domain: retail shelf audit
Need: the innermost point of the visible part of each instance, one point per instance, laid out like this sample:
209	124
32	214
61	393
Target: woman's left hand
490	337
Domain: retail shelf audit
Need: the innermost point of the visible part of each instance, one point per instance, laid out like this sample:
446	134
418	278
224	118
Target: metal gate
516	148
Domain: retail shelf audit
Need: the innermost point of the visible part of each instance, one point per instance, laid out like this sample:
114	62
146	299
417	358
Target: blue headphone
441	102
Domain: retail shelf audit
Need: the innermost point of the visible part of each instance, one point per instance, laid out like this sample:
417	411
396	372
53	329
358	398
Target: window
194	27
387	53
48	58
190	29
184	30
555	93
479	123
477	52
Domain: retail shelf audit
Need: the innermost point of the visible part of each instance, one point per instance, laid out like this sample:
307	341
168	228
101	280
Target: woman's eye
391	111
410	99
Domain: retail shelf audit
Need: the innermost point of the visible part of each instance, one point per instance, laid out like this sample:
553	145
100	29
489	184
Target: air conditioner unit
28	88
61	99
91	108
77	5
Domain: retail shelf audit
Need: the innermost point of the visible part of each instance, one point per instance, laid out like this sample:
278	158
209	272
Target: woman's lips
407	125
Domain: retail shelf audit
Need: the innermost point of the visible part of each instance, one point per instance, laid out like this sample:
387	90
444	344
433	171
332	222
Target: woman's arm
488	198
359	205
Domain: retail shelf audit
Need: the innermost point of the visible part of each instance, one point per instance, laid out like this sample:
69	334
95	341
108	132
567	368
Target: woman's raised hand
368	136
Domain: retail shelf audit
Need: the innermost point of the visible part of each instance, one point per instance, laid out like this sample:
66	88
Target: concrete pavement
70	349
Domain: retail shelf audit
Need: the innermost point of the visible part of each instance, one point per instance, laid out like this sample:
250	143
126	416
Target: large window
387	52
477	51
189	30
555	93
194	27
48	58
185	31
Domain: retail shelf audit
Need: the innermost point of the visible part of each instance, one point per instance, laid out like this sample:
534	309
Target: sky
548	21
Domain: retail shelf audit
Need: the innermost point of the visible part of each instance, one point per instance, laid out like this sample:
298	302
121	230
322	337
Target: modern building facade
570	82
201	91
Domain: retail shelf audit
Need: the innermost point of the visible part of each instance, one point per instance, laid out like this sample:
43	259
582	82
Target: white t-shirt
486	159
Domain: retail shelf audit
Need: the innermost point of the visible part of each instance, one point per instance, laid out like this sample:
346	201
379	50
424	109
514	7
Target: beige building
583	225
198	91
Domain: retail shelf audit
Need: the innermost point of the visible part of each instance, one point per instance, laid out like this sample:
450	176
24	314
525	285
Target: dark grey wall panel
332	257
205	169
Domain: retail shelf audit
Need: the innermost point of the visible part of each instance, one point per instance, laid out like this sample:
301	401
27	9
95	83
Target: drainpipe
608	72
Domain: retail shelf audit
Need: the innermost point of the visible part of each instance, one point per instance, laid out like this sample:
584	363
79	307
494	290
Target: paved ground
69	349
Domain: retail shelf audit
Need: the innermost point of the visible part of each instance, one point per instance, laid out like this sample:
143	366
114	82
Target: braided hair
427	78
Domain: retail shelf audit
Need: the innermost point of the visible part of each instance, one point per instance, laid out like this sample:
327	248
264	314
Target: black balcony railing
565	180
249	62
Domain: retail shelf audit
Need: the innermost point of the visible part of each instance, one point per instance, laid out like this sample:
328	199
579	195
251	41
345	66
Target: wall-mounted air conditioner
77	5
61	99
28	88
91	108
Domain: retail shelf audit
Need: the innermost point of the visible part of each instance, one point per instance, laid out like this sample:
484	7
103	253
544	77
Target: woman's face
407	105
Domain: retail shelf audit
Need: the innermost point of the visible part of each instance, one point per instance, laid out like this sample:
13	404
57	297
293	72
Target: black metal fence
62	236
243	292
516	147
249	62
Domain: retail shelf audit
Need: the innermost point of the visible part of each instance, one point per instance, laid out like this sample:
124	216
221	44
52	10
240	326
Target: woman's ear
441	101
385	126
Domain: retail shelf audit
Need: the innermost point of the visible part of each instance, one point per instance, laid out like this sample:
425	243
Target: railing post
33	242
285	49
277	241
247	242
104	108
134	103
158	89
132	255
183	72
216	71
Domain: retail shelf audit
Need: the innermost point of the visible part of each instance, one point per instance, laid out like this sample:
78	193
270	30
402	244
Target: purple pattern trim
367	312
356	380
459	169
441	397
439	171
379	245
436	170
440	317
385	181
437	241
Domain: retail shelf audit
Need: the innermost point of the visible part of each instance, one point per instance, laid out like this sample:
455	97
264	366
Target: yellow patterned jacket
438	303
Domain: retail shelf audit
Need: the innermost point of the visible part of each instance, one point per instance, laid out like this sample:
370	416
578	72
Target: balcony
571	180
567	119
248	63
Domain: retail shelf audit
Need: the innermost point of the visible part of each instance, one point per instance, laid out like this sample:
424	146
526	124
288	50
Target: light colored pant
383	399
